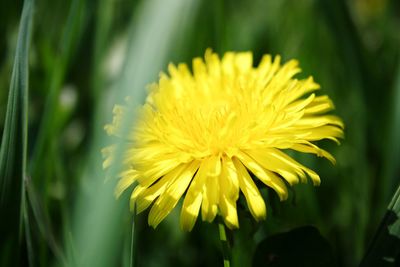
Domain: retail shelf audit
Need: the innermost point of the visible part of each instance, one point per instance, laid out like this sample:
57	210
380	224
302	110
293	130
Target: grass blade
14	141
152	36
132	258
71	35
385	247
13	151
26	226
392	146
41	218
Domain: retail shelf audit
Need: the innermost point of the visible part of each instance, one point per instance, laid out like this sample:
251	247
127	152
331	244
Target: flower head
211	132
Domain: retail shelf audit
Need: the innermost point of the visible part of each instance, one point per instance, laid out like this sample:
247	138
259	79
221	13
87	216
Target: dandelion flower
206	135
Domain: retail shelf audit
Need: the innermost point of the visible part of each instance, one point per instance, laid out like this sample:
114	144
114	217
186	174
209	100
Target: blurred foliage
283	249
86	56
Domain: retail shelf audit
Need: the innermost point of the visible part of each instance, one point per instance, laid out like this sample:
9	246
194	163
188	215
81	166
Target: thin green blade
13	149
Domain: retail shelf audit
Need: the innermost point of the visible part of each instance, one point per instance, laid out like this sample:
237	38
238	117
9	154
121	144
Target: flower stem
226	249
133	242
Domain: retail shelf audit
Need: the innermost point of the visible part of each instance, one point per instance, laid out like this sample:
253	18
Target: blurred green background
85	56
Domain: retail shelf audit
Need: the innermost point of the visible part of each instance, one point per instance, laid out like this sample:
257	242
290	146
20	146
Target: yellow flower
210	134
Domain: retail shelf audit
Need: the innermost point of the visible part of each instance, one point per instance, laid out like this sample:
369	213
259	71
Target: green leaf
303	246
384	249
41	218
13	151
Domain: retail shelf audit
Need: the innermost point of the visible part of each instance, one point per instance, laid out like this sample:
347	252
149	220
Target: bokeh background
85	56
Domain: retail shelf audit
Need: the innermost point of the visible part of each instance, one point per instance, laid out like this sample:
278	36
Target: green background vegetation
85	56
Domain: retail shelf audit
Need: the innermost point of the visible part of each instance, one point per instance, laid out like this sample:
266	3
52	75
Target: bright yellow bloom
205	134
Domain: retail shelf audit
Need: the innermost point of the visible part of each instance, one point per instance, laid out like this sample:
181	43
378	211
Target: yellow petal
228	66
304	87
231	183
314	176
308	147
289	172
244	61
324	132
199	68
193	199
128	172
145	195
265	176
213	63
168	200
317	121
151	193
253	197
291	162
300	104
209	207
229	212
321	104
124	183
229	193
158	170
136	192
190	211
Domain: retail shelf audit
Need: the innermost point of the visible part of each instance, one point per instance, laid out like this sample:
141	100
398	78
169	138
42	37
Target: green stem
226	249
133	242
